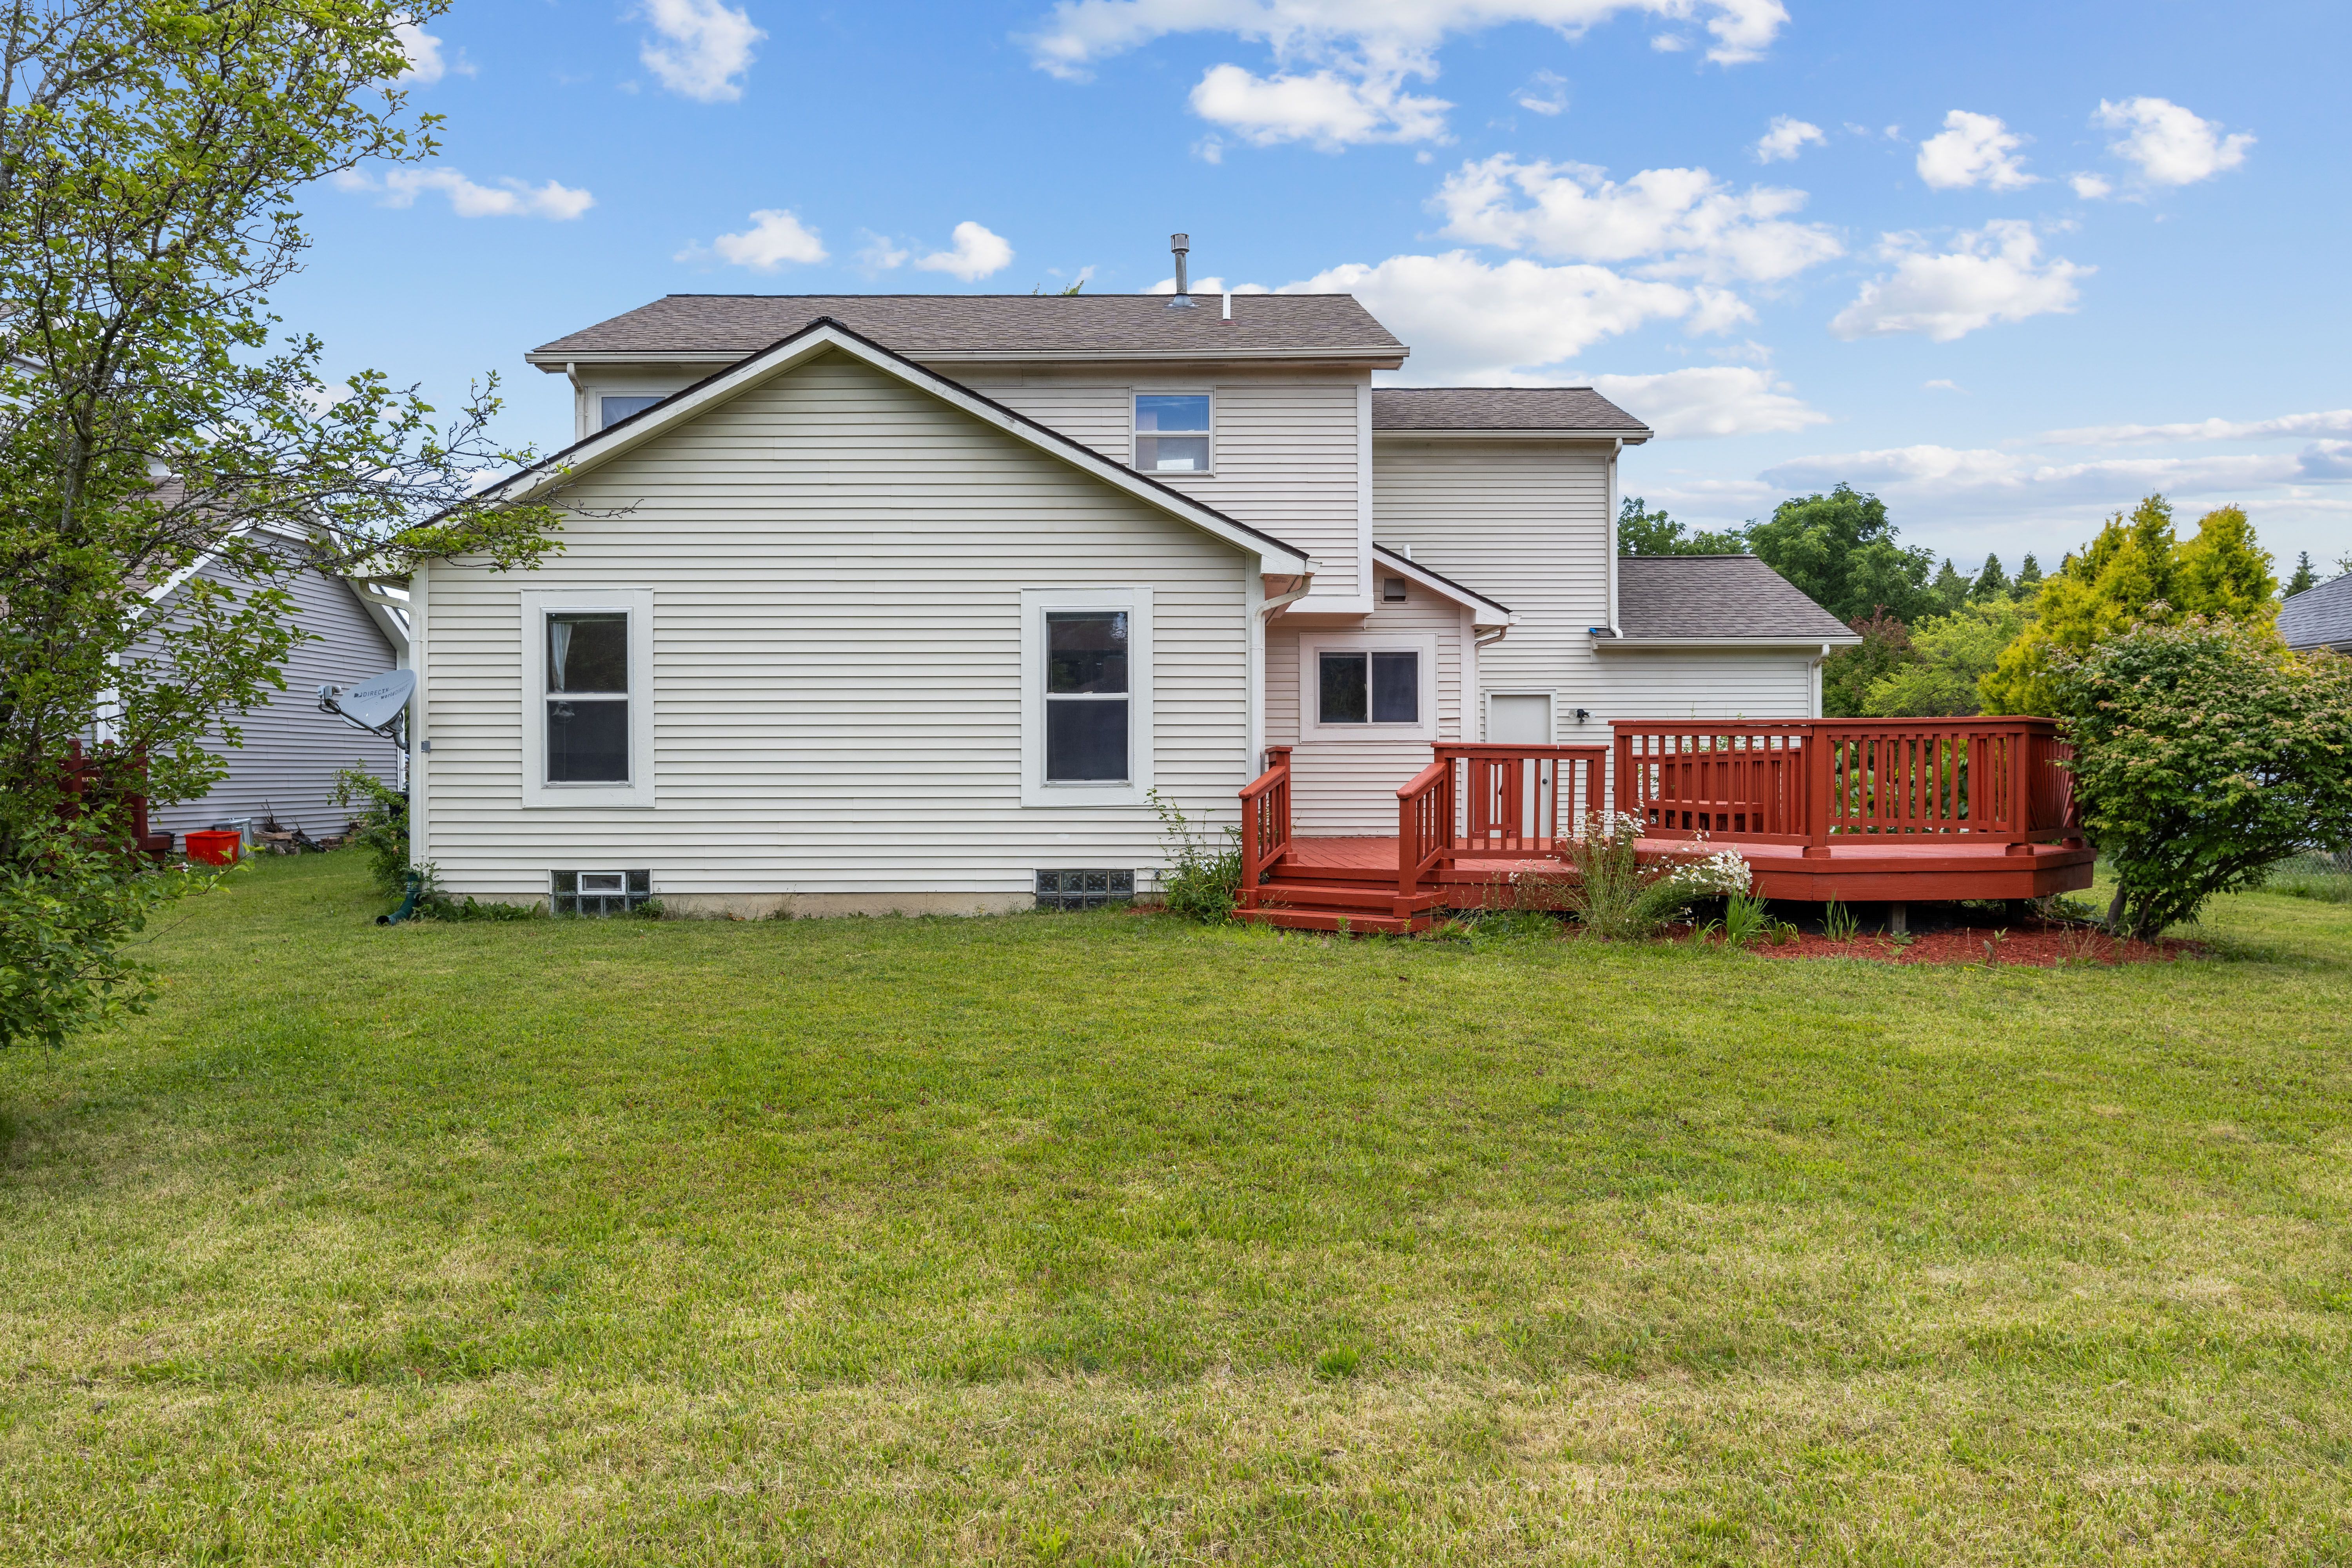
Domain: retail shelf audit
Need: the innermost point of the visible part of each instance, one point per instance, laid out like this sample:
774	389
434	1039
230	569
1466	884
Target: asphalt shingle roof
2319	616
1715	596
1499	408
1022	325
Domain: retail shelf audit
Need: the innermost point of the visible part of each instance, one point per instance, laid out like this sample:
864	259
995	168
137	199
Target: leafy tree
1640	531
1950	590
2028	575
2135	571
1992	582
151	153
2205	753
1952	653
1840	550
1848	674
2304	578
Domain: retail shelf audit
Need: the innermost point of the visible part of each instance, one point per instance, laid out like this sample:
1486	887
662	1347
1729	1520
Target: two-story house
888	602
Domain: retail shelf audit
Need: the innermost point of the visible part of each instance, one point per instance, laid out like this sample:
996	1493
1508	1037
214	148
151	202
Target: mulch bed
2040	946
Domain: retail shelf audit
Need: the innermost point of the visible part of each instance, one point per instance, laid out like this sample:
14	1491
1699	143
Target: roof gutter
1790	644
1454	432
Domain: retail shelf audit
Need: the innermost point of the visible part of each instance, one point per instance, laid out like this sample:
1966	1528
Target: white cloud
508	198
2090	187
703	46
1546	93
1205	286
774	237
1785	138
1342	65
878	254
1954	476
1324	107
1470	321
2334	422
1996	273
426	63
975	254
1383	33
1715	400
1941	385
1972	150
2170	145
1690	222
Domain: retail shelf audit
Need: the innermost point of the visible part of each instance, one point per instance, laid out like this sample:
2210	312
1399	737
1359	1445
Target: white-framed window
1086	696
1175	433
612	407
1367	685
587	697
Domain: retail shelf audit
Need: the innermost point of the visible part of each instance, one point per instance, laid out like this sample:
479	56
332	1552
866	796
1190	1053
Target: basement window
598	892
1084	889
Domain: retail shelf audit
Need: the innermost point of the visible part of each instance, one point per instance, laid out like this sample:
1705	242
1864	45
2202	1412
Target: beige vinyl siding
836	561
291	753
1704	685
1350	786
1285	449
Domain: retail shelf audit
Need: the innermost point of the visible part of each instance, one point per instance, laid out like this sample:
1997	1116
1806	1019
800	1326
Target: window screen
1086	696
1171	433
588	697
1368	688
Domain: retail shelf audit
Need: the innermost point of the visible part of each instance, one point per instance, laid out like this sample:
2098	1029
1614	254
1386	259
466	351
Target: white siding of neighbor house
1529	523
1285	452
291	751
1340	787
836	560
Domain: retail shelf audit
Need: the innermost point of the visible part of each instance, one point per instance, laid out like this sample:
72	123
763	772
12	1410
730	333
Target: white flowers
1725	871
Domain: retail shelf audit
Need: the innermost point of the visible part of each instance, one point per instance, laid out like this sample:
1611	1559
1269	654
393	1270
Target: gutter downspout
1609	530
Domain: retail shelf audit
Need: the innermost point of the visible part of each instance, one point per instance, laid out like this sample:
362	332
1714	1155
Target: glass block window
1084	889
598	892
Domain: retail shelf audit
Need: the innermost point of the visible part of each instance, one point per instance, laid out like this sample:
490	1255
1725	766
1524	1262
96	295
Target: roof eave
1484	610
1418	433
553	361
1787	641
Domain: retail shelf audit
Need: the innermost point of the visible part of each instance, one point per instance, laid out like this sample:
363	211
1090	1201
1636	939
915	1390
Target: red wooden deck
1860	873
1861	811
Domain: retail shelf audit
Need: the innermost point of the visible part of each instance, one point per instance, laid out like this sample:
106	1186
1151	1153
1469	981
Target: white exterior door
1518	720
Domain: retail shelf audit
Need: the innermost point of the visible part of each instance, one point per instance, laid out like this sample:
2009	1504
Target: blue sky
2010	265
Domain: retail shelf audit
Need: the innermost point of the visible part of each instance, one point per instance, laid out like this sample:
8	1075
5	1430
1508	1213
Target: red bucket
216	847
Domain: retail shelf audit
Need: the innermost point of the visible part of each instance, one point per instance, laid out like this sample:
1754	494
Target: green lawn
1104	1238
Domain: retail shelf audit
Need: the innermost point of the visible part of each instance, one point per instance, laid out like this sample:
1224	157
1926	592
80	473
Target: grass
1110	1239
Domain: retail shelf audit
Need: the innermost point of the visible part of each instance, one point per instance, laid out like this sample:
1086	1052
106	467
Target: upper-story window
1172	432
612	410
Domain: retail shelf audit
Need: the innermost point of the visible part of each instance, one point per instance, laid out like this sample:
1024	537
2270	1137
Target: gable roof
1717	599
1483	610
825	335
693	327
1551	410
2319	616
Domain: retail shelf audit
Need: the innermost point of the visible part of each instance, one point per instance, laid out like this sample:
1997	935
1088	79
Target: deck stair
1308	893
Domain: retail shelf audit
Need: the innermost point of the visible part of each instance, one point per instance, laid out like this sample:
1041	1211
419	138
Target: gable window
1085	696
1374	686
1172	432
612	410
587	697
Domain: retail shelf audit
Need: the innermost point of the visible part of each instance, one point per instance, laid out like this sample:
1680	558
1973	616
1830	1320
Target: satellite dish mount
379	706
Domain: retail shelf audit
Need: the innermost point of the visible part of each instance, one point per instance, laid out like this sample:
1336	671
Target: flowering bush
1616	895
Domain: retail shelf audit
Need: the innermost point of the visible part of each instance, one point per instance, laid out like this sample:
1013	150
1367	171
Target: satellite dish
377	704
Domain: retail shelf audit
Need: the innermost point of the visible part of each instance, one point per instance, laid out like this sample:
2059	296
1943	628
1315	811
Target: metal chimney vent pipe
1181	244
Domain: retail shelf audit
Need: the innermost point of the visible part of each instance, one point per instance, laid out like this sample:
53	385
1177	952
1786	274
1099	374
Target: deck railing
1514	801
1808	781
1266	821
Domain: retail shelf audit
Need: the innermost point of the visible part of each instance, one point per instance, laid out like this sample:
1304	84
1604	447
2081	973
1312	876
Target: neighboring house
291	751
912	602
2319	616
